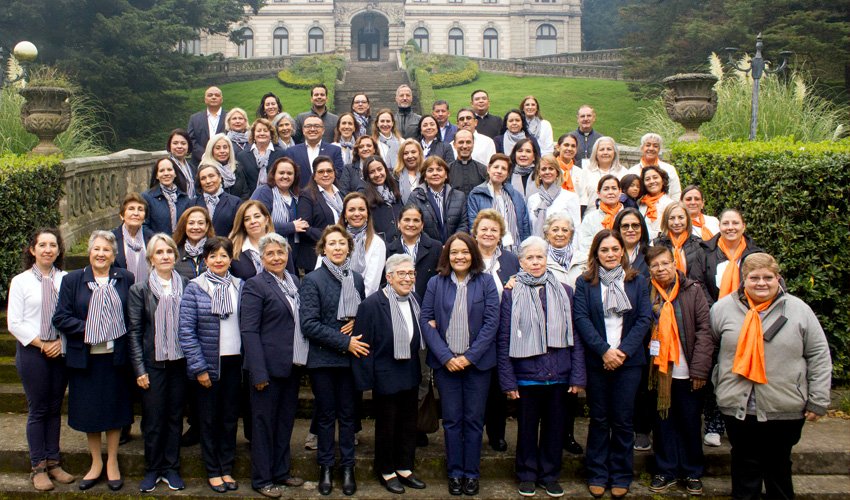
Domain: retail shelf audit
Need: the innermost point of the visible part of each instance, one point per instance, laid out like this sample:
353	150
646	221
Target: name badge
654	347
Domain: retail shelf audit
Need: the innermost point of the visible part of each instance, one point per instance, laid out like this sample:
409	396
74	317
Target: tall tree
601	25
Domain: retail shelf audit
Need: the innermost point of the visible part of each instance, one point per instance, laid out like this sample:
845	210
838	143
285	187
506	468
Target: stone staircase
379	80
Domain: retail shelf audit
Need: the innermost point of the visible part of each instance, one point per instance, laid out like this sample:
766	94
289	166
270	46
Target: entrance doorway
369	33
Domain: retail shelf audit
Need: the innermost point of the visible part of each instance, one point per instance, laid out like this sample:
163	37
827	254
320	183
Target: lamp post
25	52
757	66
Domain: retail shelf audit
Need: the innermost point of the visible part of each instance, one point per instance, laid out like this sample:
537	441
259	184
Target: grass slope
246	95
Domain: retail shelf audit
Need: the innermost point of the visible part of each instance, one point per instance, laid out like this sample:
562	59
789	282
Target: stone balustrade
524	67
602	57
234	70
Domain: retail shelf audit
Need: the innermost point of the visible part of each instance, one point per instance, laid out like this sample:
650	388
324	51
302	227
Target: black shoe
221	488
421	439
470	486
571	446
393	485
115	484
125	436
86	484
694	486
455	486
527	489
499	444
412	482
349	485
231	485
191	437
326	482
552	489
661	483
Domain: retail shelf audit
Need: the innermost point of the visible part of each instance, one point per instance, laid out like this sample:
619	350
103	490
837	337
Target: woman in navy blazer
133	211
275	352
314	208
221	206
613	326
159	198
96	354
262	140
462	371
280	195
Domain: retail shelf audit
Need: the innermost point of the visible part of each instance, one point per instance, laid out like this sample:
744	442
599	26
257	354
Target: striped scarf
347	148
194	250
547	198
167	317
358	255
615	300
401	335
457	333
362	124
334	200
349	299
211	200
505	206
105	319
187	173
135	254
280	209
228	177
300	345
49	299
386	194
413	252
490	266
562	256
262	163
221	302
170	194
532	329
255	259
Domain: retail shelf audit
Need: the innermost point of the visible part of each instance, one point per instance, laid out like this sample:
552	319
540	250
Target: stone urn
690	100
46	114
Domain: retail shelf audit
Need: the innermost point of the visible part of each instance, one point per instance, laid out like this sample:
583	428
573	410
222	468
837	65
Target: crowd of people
485	262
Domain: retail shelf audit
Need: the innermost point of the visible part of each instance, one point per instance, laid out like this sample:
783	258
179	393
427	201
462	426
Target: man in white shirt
484	147
207	123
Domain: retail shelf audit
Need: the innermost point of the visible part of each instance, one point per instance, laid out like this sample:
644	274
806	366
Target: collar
320	115
333	190
317	146
269	148
217	115
246	245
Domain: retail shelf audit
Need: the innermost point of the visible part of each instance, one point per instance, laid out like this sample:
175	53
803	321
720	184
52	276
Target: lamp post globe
25	51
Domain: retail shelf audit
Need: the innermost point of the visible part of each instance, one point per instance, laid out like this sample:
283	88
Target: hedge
795	198
445	70
424	89
310	71
30	190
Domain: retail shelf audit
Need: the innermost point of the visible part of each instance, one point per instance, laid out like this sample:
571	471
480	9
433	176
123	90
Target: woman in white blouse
370	251
538	127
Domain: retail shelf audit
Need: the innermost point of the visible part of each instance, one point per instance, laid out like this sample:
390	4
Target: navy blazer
380	371
121	257
482	307
427	258
225	212
267	324
243	268
589	322
73	308
448	135
158	215
508	266
315	210
265	195
251	171
298	153
442	150
199	132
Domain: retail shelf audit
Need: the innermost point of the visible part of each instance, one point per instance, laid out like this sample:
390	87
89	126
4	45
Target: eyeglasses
633	226
361	102
465	118
313	127
405	274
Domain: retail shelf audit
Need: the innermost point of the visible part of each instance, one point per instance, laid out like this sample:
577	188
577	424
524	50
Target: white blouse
23	316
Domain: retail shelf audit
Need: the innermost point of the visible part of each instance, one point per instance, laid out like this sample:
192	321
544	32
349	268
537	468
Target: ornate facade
494	29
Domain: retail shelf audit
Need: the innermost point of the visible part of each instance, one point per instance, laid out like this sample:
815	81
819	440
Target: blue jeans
463	397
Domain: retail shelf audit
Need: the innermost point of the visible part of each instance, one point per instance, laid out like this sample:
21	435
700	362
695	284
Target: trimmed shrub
455	78
424	89
444	70
308	72
795	198
30	190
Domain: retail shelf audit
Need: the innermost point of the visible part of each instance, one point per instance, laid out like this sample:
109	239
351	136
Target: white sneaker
311	443
712	439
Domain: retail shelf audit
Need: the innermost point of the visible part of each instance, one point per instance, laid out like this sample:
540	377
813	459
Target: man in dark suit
489	125
440	112
205	124
303	154
319	101
406	120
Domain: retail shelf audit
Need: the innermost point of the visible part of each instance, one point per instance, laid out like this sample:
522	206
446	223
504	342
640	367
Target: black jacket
315	211
224	214
141	329
464	176
694	257
454	210
714	256
251	171
427	258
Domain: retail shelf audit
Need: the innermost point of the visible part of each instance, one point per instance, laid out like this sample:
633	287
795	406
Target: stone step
18	485
823	450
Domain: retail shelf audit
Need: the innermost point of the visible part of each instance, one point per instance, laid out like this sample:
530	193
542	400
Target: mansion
496	29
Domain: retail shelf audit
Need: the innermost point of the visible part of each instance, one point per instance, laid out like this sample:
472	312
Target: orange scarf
732	275
667	329
651	202
566	168
610	213
699	221
749	355
678	250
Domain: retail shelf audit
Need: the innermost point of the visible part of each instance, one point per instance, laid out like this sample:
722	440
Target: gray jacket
797	360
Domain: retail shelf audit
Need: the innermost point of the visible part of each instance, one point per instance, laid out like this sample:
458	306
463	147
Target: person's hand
301	225
512	394
356	347
575	389
261	385
433	324
143	381
347	328
453	365
510	285
812	416
464	363
697	383
204	380
611	359
52	349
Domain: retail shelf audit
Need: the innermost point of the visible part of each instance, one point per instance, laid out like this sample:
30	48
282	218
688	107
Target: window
280	42
489	1
547	40
315	40
456	42
246	48
455	1
545	1
191	47
491	44
420	36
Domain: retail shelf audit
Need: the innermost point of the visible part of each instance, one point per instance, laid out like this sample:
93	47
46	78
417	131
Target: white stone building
498	29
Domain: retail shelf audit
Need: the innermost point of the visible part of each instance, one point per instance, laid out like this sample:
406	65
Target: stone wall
524	67
601	57
95	187
234	70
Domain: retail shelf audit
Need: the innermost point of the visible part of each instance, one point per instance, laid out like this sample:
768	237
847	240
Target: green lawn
246	95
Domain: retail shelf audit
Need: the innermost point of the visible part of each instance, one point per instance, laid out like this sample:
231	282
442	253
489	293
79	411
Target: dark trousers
540	433
678	438
334	396
162	408
714	421
645	404
496	411
273	417
571	410
609	457
395	430
463	396
44	380
218	414
761	453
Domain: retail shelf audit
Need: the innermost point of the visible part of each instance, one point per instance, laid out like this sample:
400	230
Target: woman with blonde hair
551	196
386	136
251	223
220	152
236	125
408	167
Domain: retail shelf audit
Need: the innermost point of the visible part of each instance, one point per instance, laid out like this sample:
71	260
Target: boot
326	482
349	486
40	480
54	469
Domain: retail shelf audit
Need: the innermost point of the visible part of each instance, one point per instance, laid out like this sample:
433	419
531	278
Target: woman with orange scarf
704	226
679	367
656	184
595	220
774	373
566	153
688	250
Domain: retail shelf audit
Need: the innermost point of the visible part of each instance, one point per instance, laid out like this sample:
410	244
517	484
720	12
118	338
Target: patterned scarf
490	267
414	251
562	256
228	177
438	198
170	194
221	304
362	124
615	301
358	256
457	333
280	209
49	299
255	259
211	200
547	197
105	318
386	194
523	171
187	173
349	299
505	205
347	147
239	139
532	329
135	254
333	200
300	345
262	163
194	250
510	139
167	317
401	335
426	147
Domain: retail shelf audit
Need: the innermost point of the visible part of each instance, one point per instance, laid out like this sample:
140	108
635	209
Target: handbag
428	418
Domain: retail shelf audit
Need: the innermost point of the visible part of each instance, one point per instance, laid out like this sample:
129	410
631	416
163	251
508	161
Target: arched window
547	40
420	36
456	42
491	44
246	48
280	42
315	40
